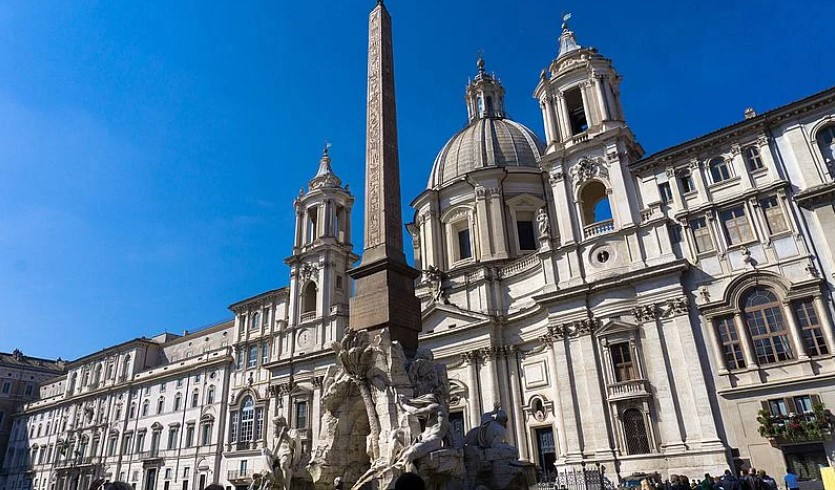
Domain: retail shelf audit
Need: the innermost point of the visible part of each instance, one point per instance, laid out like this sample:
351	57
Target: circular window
212	376
602	256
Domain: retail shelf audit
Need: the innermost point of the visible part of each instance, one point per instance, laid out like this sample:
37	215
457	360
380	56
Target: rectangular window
774	216
622	362
242	467
186	472
265	352
167	473
464	249
207	434
527	238
111	446
778	407
252	358
701	235
810	327
576	111
259	423
162	387
675	233
301	415
173	435
233	427
736	225
189	435
803	404
7	387
140	442
666	192
239	362
126	444
686	180
726	333
29	390
339	282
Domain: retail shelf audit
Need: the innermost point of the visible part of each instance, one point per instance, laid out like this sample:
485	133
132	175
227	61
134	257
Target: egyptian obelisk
384	288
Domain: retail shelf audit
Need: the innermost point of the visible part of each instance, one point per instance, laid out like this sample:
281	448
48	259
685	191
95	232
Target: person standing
792	482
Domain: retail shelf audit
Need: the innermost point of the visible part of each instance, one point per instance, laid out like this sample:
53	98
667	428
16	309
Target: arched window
247	419
195	398
145	406
719	170
256	321
132	411
86	379
752	158
98	375
596	205
309	298
210	395
160	404
826	143
73	382
635	432
178	401
764	320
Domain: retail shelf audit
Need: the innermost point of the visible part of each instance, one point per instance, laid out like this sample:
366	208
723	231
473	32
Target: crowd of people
752	479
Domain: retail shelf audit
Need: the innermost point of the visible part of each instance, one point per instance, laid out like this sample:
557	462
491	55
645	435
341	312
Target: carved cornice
644	313
676	307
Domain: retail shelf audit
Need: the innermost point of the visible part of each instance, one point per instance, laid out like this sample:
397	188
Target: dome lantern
485	95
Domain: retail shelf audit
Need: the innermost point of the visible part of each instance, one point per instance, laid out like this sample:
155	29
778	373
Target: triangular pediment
525	201
616	326
439	317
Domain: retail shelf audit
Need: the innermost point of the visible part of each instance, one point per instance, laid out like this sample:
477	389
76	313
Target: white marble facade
629	310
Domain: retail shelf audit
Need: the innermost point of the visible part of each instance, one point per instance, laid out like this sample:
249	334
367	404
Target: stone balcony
244	475
599	228
633	388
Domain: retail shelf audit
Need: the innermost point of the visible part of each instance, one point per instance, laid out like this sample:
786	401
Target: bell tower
322	254
589	149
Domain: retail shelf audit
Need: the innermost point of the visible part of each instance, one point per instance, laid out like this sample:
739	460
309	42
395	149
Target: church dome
489	140
486	142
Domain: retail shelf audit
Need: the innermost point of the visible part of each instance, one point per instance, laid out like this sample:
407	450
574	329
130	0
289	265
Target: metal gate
575	479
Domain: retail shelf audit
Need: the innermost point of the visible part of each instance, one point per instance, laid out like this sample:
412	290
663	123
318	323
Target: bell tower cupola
322	255
484	95
579	93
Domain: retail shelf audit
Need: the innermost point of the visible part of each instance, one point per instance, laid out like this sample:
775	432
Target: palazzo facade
670	312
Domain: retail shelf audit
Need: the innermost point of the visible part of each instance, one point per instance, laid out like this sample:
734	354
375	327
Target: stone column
699	180
716	344
316	407
565	121
601	98
745	340
794	330
498	232
516	403
667	417
484	237
489	379
678	199
593	415
562	205
473	395
825	322
561	413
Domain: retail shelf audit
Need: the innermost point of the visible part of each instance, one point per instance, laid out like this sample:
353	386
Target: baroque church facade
669	313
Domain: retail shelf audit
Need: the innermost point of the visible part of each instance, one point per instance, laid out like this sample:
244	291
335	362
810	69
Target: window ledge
739	246
693	193
725	183
760	171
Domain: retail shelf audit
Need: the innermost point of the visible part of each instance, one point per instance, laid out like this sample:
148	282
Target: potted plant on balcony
813	426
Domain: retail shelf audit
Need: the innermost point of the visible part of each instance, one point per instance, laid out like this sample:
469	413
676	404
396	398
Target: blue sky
150	151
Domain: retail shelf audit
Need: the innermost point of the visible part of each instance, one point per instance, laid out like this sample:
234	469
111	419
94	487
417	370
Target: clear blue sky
150	151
